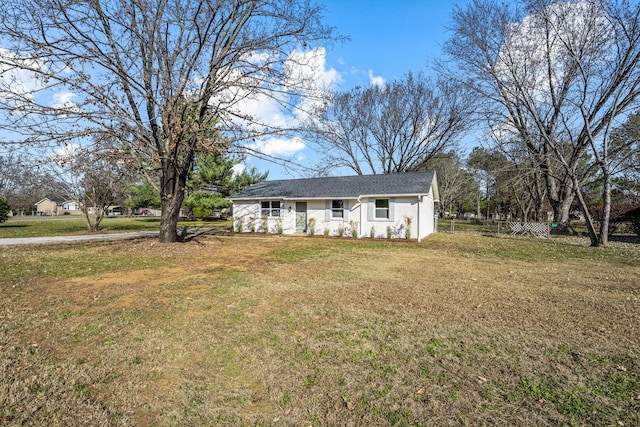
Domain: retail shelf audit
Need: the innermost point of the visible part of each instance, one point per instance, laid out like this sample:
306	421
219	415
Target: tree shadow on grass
186	235
625	239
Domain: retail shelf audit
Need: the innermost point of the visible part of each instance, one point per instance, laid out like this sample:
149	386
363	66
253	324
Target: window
337	209
270	208
382	209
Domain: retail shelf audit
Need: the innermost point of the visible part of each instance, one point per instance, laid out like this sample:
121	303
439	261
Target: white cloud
63	100
277	147
305	74
375	80
17	80
308	68
536	54
264	109
64	154
67	151
238	168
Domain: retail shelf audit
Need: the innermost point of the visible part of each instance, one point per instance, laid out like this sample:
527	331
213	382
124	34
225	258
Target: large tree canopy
396	127
153	76
553	77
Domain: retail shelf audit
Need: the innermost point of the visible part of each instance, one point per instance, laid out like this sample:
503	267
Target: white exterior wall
358	214
418	210
244	211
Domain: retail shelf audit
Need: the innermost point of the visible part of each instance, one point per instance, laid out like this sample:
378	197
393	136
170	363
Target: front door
301	217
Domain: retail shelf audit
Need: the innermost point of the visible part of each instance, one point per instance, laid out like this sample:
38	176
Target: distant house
52	206
362	206
211	188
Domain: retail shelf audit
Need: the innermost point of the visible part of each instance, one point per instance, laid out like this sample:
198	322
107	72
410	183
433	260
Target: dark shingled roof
340	187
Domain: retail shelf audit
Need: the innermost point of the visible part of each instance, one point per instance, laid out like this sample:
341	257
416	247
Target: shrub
265	223
372	232
389	231
4	209
635	225
252	224
312	226
620	213
407	231
633	217
239	224
354	228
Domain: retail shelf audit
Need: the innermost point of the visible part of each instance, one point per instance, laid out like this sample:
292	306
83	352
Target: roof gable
56	200
342	187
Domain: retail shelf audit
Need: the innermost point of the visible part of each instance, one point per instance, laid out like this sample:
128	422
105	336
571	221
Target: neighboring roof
56	200
409	183
211	188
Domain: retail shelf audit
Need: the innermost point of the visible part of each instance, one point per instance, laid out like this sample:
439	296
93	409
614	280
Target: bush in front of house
634	221
4	209
619	214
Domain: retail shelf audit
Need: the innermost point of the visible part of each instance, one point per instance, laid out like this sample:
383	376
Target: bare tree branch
152	75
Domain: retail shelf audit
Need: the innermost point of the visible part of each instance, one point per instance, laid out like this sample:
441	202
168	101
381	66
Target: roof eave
361	196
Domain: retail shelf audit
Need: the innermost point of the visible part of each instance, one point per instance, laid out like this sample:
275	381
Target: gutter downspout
420	200
360	223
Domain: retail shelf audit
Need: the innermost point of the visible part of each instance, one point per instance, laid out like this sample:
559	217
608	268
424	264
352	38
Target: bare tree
23	182
456	185
558	75
94	179
625	143
396	127
153	75
9	166
527	181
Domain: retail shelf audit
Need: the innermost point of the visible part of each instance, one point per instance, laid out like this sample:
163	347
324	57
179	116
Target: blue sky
388	39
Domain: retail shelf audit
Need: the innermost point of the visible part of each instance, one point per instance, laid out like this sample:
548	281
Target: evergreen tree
4	209
213	180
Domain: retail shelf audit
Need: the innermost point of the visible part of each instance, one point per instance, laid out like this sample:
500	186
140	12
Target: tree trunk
98	219
606	208
563	210
172	189
588	219
169	221
171	204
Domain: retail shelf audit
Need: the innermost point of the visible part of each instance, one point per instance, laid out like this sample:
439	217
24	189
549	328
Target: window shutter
327	211
346	211
371	208
392	209
281	209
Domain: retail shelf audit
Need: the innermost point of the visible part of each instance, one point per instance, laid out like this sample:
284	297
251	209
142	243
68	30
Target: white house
400	205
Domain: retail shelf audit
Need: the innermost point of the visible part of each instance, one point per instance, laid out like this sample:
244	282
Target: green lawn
76	225
461	329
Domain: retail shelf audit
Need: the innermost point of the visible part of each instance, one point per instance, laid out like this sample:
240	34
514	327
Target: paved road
17	241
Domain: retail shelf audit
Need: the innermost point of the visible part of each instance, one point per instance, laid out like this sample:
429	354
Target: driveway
17	241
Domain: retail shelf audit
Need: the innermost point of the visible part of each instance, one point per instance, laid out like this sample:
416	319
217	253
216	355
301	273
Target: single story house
52	206
400	205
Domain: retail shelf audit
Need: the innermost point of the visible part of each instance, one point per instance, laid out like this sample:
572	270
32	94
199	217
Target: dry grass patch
458	330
